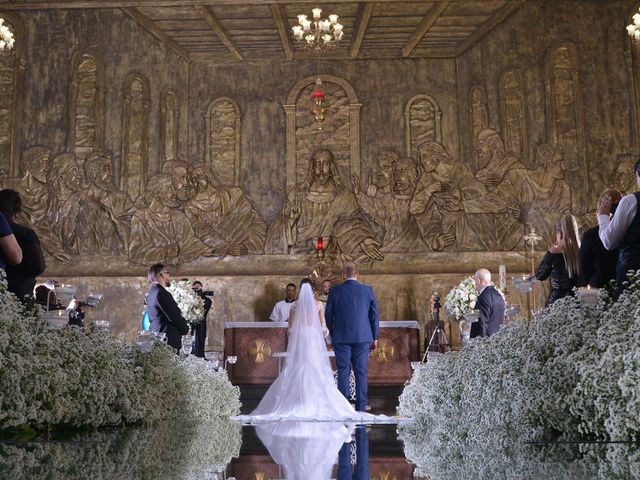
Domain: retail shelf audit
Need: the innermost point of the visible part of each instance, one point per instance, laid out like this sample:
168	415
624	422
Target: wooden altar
255	343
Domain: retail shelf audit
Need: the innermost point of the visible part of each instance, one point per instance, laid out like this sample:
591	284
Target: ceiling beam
207	15
83	4
496	19
280	17
147	24
362	20
424	26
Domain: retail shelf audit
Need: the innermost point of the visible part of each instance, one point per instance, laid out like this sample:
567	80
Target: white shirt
612	230
280	311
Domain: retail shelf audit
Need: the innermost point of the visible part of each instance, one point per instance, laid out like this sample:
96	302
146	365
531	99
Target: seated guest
281	309
164	313
10	252
622	230
490	304
21	278
561	261
597	264
200	330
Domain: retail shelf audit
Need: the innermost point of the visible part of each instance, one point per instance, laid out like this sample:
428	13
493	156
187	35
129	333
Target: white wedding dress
305	390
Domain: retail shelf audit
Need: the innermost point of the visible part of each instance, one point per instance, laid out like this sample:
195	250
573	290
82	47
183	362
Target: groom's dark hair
350	269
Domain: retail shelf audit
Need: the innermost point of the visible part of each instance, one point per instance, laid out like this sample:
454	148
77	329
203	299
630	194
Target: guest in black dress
200	329
21	278
597	264
561	263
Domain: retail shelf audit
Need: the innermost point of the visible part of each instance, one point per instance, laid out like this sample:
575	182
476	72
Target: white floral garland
190	303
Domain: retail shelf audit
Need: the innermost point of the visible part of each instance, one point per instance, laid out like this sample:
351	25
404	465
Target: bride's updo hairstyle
306	280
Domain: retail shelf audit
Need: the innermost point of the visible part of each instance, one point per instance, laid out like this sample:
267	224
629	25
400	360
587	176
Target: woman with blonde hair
561	262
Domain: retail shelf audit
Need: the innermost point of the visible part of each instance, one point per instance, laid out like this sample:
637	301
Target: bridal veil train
305	390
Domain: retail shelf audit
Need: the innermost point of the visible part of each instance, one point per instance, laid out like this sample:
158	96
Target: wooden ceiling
255	30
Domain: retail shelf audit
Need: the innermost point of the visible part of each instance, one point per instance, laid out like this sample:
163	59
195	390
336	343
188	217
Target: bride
305	389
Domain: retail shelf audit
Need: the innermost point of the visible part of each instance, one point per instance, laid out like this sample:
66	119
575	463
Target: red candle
320	244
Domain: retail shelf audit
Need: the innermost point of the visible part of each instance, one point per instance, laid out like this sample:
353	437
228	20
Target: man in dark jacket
164	313
490	304
200	329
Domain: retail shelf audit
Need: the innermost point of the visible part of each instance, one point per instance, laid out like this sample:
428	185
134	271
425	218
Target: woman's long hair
569	228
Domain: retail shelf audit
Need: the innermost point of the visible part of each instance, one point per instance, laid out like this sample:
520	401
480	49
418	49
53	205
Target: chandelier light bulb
6	37
636	19
320	34
316	13
631	29
333	18
301	19
337	28
306	25
636	35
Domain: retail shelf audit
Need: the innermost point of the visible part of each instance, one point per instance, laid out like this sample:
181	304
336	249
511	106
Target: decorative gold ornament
260	349
385	351
386	475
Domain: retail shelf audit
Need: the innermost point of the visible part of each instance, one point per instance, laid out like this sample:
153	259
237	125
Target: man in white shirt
281	309
622	229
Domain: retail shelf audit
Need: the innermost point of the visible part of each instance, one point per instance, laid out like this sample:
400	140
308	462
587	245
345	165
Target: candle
502	282
320	244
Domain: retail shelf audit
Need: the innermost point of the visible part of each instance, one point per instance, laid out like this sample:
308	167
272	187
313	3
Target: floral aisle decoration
87	378
461	299
190	303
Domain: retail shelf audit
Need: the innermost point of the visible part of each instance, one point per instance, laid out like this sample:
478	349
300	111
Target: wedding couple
305	389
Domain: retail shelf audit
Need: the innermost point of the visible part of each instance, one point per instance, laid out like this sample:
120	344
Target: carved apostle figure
162	232
391	212
106	212
381	180
552	194
222	217
322	206
180	183
495	220
624	177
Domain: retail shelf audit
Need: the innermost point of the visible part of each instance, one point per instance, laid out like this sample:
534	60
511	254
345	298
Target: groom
352	319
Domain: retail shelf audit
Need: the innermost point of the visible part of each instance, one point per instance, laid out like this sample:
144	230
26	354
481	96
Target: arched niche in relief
12	67
633	59
478	113
135	134
422	123
170	115
514	115
340	131
86	105
565	118
222	123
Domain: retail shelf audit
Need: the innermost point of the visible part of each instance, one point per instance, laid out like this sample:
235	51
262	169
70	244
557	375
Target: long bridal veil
305	389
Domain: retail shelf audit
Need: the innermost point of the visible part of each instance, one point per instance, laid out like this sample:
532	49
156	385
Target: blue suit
353	321
361	471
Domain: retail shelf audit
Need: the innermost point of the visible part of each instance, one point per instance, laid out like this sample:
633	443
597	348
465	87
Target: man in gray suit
353	322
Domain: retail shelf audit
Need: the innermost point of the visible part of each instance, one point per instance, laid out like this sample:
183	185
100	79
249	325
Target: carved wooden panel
86	106
11	66
512	106
223	139
422	118
135	133
566	119
478	110
169	109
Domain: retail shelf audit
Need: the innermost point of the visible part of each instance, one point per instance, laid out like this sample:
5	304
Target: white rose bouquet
461	299
190	303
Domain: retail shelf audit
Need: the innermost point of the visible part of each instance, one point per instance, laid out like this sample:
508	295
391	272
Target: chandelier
319	35
633	29
6	37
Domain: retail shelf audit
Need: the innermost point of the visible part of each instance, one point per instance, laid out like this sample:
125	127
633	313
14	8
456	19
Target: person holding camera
200	329
622	230
597	264
76	313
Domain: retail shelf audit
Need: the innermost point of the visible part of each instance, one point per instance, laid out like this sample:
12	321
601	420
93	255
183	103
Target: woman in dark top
560	263
21	278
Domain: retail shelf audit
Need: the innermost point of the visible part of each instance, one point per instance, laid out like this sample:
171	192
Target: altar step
382	399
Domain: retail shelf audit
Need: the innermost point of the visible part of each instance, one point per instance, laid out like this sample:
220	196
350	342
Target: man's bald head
482	278
350	270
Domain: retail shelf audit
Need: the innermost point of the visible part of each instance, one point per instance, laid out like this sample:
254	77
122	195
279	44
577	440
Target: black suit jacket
165	316
491	307
597	264
21	278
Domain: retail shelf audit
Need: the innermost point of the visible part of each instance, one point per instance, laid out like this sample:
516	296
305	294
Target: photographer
200	329
623	230
76	313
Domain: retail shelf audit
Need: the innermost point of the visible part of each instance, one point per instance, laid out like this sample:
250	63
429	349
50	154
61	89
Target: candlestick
502	273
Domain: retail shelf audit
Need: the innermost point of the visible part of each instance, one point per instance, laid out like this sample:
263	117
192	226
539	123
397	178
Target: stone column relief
565	119
223	139
86	106
170	114
422	120
513	113
135	135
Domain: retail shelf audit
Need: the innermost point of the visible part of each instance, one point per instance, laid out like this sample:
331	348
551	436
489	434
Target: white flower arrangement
191	304
461	299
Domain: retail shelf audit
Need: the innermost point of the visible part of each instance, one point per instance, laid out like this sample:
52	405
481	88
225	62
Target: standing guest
201	328
281	309
597	264
21	278
490	304
10	252
561	262
326	286
164	312
622	230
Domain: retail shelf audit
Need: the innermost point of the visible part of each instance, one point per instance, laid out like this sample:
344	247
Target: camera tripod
438	342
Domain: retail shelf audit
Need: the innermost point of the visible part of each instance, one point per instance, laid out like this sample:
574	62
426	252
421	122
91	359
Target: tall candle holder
531	240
